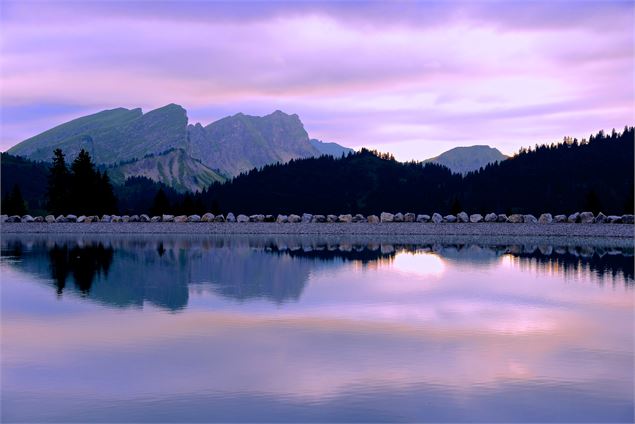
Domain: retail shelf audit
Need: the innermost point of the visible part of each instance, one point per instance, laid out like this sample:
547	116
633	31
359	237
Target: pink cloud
423	77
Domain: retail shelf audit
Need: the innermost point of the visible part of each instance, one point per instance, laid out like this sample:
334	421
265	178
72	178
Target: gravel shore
486	233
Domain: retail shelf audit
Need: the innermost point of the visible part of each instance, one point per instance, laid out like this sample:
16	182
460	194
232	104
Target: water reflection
129	272
283	329
607	264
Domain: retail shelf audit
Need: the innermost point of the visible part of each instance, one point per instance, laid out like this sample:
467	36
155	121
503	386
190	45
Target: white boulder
372	219
386	217
529	219
586	217
345	218
515	218
462	217
545	218
475	218
449	218
491	217
423	218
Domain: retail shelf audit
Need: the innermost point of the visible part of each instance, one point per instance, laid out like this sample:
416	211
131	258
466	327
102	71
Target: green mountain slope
111	136
462	160
174	168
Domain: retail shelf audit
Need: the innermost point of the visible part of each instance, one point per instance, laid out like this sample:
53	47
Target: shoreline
486	233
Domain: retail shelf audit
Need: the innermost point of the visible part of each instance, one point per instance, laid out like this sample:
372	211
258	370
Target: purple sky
412	78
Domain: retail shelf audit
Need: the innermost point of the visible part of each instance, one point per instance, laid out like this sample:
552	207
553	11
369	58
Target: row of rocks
463	217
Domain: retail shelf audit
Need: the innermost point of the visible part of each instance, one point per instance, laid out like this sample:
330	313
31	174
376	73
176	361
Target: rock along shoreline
306	218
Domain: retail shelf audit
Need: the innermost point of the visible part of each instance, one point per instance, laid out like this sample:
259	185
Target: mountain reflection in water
129	272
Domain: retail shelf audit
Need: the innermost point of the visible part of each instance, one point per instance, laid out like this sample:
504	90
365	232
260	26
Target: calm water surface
272	329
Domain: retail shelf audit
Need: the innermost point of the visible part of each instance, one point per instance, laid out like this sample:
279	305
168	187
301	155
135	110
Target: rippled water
272	329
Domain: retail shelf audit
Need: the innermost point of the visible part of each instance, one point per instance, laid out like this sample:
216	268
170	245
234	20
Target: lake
237	328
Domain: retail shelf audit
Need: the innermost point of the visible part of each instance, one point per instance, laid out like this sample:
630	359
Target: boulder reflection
125	272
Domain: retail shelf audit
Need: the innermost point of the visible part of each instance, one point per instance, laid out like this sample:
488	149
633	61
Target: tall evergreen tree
58	184
85	183
187	207
161	204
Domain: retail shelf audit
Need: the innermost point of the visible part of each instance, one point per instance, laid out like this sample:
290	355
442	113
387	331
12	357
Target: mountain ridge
233	144
464	159
330	148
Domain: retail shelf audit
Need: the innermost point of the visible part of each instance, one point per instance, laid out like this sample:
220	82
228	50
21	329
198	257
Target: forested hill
362	182
594	175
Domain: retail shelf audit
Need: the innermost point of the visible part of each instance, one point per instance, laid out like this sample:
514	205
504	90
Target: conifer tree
85	184
58	184
187	207
161	204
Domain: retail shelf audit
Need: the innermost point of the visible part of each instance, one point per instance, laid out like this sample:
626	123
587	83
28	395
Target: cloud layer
414	78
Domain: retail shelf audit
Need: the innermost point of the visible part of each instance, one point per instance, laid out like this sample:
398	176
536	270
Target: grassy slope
111	136
174	168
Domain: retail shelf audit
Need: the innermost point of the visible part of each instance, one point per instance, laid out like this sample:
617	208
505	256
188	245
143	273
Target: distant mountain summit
227	147
242	142
331	149
462	160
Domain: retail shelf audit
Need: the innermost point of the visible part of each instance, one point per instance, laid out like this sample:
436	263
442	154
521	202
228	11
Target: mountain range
161	145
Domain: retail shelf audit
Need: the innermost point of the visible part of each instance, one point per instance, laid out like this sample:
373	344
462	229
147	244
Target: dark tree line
13	203
594	174
143	195
26	177
363	182
47	187
82	189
